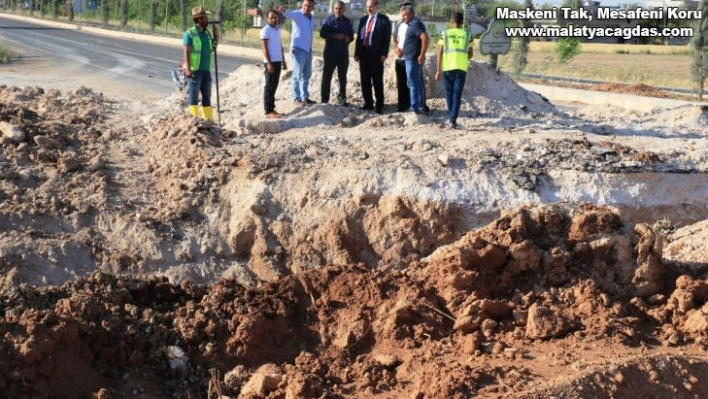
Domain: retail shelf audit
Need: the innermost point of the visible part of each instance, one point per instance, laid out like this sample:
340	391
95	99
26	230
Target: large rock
697	321
263	381
14	132
543	322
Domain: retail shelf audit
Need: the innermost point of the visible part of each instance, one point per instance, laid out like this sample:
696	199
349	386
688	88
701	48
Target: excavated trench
343	260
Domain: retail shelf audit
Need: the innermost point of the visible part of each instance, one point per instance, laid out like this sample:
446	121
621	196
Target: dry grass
606	48
612	63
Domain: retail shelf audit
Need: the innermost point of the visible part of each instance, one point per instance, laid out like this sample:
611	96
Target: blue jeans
454	83
199	83
302	70
414	74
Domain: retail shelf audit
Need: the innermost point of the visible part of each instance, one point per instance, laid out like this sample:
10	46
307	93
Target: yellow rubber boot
208	113
194	110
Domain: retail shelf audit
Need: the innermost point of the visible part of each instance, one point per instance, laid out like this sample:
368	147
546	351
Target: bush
5	54
567	48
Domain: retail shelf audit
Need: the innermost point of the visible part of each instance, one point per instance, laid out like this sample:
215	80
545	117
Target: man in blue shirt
338	32
414	48
199	44
301	50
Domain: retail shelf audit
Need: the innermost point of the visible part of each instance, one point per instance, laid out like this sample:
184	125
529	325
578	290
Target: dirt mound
350	254
487	93
639	89
686	244
479	312
179	197
686	121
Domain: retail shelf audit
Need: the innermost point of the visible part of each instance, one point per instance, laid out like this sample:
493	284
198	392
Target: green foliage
520	51
574	4
124	13
567	48
152	19
699	43
490	9
183	20
432	9
519	56
434	34
5	54
105	12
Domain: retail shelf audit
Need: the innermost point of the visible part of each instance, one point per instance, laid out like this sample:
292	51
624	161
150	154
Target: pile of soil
506	310
639	89
340	253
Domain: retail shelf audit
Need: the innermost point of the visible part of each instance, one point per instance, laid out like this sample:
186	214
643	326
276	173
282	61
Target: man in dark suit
372	44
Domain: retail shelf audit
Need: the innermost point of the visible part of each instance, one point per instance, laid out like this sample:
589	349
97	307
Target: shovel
216	75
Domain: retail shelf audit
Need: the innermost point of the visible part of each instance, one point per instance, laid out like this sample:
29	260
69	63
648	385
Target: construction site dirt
338	253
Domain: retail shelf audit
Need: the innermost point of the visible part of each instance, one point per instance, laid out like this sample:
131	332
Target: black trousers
371	73
341	63
404	95
271	85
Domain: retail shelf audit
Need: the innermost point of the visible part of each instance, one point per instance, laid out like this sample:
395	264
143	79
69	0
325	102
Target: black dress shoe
310	102
379	111
367	107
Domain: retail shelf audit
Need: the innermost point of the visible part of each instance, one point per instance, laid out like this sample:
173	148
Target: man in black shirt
338	32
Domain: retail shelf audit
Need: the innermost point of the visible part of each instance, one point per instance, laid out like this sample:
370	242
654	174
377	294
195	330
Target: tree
124	10
520	54
183	14
105	12
489	9
699	67
567	48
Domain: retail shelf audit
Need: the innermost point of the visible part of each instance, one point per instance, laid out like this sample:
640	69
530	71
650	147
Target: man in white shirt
399	34
274	61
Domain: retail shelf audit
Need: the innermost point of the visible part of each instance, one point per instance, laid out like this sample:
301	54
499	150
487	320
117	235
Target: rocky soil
338	253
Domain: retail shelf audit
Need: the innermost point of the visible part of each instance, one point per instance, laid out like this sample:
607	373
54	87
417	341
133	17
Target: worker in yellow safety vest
454	52
199	45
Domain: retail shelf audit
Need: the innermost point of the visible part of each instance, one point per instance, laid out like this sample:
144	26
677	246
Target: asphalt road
115	61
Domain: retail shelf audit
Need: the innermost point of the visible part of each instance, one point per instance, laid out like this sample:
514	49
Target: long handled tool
216	75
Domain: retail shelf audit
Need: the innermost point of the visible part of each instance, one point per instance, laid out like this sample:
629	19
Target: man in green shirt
199	45
454	52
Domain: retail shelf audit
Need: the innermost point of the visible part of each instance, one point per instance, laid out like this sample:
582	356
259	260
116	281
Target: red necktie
369	28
